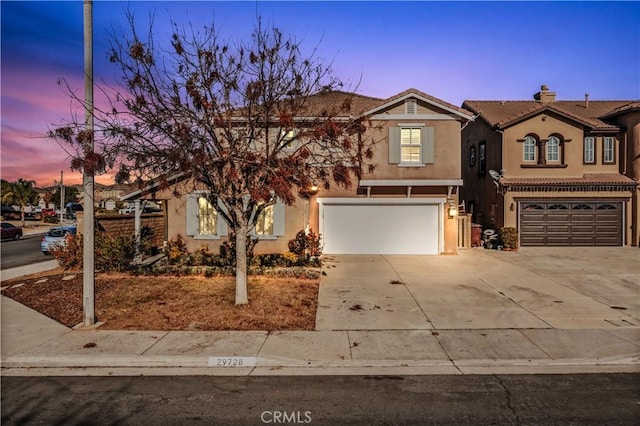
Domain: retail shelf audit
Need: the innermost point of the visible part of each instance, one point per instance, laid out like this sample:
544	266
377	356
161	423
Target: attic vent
410	106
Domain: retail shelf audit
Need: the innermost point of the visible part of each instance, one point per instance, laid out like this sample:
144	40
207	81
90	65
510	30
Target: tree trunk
241	265
22	214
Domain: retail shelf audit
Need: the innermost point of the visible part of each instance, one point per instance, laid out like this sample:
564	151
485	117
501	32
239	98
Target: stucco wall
544	125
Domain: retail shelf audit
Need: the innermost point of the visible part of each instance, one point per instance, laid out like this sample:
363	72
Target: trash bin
476	235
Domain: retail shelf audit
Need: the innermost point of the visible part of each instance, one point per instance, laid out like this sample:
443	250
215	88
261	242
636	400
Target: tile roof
329	100
586	179
502	114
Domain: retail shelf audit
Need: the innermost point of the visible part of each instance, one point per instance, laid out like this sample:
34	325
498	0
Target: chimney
586	101
544	95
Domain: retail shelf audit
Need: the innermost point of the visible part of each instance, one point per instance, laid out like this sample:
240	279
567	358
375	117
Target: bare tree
253	121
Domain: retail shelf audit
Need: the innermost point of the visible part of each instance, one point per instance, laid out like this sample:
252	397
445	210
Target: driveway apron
479	290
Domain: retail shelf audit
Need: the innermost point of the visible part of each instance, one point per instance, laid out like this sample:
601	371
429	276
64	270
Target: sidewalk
33	344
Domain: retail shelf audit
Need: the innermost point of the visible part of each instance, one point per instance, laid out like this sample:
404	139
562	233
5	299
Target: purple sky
451	50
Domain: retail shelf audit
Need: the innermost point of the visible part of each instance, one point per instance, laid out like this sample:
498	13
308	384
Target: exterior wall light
453	211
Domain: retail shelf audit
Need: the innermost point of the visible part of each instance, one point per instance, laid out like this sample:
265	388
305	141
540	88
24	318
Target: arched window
530	149
553	149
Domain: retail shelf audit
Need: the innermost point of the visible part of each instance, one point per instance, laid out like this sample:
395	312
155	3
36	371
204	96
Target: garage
374	226
570	223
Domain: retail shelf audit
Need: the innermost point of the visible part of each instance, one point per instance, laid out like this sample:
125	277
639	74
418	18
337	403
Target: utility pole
88	268
61	196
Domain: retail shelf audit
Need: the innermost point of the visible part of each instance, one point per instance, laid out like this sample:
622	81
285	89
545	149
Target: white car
127	210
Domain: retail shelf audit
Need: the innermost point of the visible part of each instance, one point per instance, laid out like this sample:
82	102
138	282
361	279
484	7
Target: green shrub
509	237
306	245
114	252
176	250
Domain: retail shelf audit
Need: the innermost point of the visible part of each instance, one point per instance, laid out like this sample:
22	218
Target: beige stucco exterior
437	181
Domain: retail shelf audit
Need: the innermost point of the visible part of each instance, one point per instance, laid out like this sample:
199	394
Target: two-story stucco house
558	171
406	205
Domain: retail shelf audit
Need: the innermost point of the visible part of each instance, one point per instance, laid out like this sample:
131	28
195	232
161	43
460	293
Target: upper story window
482	158
288	139
589	150
543	152
410	145
530	149
608	150
553	150
472	156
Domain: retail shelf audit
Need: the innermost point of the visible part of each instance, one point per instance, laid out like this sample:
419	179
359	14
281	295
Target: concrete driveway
534	288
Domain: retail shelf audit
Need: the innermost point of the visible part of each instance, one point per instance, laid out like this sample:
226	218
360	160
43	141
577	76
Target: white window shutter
278	218
428	145
192	214
394	145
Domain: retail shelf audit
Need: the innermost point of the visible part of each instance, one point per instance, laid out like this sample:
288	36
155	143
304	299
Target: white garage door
380	228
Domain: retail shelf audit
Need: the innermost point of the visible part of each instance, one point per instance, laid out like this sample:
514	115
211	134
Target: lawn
125	302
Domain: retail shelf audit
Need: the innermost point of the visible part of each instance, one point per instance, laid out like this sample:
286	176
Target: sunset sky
451	50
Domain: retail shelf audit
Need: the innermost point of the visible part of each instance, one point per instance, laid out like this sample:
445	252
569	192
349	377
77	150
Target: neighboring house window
608	150
482	158
589	149
472	156
553	149
264	225
410	145
529	149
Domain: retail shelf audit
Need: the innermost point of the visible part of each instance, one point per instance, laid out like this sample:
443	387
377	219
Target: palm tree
21	193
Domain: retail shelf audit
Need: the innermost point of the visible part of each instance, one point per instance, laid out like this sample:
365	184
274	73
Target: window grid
264	224
410	145
589	149
529	150
553	149
608	150
207	217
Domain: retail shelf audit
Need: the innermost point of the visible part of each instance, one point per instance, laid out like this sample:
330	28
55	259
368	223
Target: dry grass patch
173	303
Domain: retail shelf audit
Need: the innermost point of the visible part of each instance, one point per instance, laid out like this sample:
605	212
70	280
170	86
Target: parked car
127	210
10	231
56	236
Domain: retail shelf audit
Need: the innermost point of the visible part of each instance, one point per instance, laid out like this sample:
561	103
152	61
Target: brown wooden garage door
570	223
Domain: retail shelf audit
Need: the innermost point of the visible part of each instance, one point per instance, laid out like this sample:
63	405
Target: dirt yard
127	302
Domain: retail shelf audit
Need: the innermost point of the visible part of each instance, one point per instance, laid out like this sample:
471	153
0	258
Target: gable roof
428	99
503	114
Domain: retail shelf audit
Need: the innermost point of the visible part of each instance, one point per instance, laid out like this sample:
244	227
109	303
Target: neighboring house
558	171
406	205
107	196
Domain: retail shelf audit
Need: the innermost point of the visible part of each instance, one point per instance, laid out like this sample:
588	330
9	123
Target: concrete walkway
481	312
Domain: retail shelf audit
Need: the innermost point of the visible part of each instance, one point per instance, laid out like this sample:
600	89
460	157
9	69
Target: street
612	399
22	252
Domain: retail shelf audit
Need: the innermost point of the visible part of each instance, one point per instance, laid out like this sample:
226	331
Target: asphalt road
22	252
612	399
